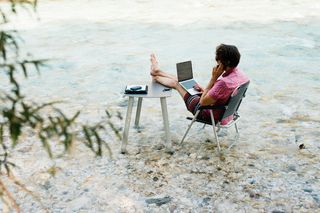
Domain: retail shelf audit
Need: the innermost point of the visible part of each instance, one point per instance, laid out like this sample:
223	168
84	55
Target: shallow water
96	56
98	47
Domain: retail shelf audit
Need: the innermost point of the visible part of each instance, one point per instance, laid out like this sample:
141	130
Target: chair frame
235	99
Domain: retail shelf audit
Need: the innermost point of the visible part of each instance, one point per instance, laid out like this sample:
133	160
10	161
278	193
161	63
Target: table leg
165	119
127	126
136	122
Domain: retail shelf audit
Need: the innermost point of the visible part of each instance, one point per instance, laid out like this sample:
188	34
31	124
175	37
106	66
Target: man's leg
169	82
191	101
181	90
165	78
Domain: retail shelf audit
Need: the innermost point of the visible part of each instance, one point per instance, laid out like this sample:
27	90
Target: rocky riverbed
262	173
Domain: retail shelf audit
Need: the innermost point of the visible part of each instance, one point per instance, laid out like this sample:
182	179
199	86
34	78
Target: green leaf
45	144
4	17
88	141
24	69
108	113
1	133
15	131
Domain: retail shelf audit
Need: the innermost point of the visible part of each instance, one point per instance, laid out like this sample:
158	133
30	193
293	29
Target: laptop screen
184	71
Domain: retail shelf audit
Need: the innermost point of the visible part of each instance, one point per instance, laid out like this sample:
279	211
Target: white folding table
155	90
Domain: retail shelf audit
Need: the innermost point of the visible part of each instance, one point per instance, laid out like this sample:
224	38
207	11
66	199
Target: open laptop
185	77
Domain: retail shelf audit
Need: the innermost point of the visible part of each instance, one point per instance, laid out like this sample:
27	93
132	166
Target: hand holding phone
217	70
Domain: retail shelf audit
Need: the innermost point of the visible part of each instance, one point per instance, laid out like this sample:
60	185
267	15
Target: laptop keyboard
188	84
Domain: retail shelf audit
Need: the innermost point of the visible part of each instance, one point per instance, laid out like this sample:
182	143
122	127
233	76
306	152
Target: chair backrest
235	99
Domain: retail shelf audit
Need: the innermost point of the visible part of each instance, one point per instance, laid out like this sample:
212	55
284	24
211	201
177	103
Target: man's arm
206	99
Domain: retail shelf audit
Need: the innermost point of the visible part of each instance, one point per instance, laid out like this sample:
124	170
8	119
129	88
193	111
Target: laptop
185	77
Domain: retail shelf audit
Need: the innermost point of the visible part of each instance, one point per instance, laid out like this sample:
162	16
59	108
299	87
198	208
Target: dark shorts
192	104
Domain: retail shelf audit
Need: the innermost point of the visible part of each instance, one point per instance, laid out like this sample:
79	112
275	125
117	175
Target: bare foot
154	65
155	69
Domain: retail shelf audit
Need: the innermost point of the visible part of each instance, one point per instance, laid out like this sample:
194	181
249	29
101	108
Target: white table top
155	90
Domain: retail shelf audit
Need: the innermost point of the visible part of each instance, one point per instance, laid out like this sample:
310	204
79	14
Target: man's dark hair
229	55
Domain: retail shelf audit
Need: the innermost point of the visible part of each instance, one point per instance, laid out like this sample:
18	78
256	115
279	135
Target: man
225	77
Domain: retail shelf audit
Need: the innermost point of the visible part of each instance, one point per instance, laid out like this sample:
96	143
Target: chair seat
235	118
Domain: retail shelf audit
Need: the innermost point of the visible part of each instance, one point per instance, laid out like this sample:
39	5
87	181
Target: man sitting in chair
225	78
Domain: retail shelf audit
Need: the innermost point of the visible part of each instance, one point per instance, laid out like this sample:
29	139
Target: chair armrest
213	107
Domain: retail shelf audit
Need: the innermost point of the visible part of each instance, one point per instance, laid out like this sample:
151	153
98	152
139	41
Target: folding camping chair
231	108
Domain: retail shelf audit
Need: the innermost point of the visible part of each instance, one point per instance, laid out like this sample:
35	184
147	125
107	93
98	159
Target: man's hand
217	71
198	88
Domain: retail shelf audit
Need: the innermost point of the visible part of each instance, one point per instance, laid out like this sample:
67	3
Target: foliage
18	115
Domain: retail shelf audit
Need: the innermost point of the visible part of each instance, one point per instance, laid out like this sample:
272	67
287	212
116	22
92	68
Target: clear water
97	47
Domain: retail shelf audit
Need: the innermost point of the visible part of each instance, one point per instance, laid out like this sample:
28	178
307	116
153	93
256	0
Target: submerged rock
307	190
278	211
292	168
159	147
46	185
169	151
205	201
159	201
252	181
316	198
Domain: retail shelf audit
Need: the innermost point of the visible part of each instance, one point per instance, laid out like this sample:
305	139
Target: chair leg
218	127
193	120
231	145
236	138
214	130
237	130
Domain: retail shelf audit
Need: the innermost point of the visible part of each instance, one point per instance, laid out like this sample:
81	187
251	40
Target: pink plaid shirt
223	88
